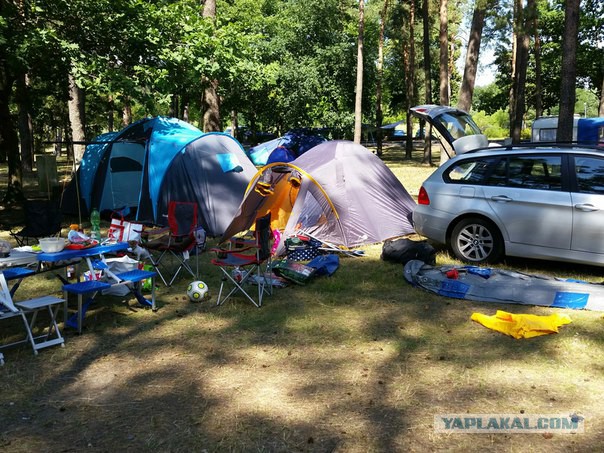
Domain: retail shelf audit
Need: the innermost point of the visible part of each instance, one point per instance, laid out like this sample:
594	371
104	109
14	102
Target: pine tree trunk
25	122
601	109
443	39
110	110
522	49
568	72
410	79
126	112
211	107
210	101
9	141
514	55
358	104
378	85
471	64
427	159
534	22
76	118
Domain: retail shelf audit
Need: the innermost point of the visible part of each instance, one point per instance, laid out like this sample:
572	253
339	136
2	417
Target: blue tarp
591	131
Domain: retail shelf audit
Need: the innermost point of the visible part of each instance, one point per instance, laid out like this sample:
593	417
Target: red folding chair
175	241
251	260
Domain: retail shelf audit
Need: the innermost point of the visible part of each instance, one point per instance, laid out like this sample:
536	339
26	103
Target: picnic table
94	257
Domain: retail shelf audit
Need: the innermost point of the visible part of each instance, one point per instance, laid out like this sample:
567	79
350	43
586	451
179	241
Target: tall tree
443	40
23	99
211	101
409	50
76	107
427	159
358	104
533	21
378	85
472	54
601	109
568	72
517	101
9	139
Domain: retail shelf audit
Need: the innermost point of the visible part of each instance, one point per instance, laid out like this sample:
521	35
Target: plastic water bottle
95	222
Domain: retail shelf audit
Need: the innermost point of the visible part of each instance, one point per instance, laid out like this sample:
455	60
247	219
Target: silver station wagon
535	201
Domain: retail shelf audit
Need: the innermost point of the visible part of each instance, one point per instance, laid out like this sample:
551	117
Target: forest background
72	69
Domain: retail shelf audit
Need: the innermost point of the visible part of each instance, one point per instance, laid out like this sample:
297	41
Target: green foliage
494	126
280	63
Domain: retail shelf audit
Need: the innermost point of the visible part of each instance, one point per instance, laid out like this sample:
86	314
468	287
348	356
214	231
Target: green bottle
95	222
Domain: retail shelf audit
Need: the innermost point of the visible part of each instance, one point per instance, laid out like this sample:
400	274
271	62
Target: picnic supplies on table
121	230
522	325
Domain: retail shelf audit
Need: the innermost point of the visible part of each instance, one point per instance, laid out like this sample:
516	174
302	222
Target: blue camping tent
159	159
296	141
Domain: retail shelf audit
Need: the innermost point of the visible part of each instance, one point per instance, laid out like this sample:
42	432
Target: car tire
476	241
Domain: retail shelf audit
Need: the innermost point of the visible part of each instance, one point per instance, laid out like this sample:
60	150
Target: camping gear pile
292	145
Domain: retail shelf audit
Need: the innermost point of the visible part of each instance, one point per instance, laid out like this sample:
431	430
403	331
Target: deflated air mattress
504	286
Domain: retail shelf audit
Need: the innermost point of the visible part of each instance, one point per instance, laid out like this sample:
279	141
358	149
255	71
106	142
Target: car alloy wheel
476	241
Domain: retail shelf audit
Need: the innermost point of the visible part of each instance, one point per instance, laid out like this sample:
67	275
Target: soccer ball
197	291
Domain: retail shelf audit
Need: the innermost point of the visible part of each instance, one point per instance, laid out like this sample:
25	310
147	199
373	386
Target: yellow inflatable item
522	326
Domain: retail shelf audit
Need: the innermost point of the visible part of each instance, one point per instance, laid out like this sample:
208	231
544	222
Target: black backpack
404	250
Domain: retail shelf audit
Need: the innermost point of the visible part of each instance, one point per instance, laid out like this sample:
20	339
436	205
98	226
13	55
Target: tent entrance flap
281	198
123	178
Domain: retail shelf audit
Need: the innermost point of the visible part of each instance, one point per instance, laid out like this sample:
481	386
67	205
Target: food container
52	245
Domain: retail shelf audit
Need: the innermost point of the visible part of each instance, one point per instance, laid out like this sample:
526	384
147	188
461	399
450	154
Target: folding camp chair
176	241
42	219
245	262
38	335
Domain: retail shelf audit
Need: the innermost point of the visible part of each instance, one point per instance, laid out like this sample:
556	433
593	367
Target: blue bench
16	273
135	277
81	288
132	279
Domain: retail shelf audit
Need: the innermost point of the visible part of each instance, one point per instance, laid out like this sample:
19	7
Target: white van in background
544	129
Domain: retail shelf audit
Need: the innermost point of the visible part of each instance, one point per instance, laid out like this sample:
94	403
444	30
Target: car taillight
422	197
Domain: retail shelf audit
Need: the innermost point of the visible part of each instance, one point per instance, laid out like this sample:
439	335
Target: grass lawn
357	362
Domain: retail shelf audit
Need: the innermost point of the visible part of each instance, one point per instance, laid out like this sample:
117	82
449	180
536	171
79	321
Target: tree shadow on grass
360	361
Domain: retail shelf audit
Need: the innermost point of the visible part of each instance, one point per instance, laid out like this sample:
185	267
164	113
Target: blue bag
325	264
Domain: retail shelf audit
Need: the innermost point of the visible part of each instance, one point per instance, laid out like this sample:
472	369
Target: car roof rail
536	145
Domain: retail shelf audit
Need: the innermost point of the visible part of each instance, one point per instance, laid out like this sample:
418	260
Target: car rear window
471	170
541	172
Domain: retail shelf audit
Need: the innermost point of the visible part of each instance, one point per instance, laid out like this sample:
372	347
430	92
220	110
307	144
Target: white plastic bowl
52	245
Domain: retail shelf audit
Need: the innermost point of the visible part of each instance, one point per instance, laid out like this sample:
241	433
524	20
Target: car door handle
586	207
501	198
